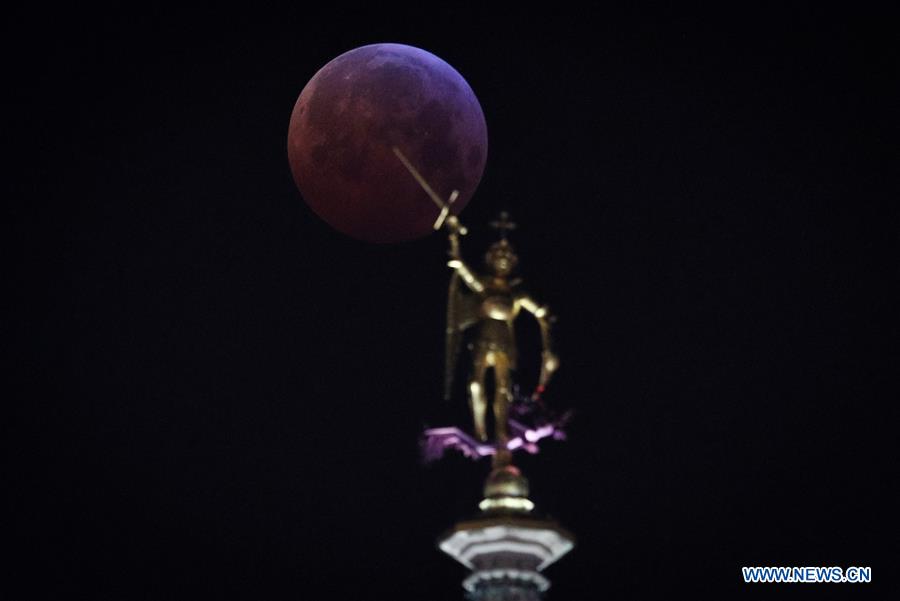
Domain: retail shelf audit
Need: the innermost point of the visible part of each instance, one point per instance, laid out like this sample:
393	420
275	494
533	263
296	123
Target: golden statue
491	305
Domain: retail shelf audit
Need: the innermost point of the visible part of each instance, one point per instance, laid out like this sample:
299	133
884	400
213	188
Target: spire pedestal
506	546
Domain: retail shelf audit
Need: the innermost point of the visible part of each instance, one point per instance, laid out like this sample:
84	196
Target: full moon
351	115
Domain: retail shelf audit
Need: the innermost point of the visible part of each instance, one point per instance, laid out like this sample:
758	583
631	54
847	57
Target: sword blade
418	177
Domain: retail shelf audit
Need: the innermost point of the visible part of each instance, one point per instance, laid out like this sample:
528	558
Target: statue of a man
493	303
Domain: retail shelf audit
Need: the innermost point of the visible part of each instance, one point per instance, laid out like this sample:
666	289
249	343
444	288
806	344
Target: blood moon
355	110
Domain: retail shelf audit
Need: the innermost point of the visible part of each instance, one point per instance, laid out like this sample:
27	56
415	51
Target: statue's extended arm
550	362
456	262
466	275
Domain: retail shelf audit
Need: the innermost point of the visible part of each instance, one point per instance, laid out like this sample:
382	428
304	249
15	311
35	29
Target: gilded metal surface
491	302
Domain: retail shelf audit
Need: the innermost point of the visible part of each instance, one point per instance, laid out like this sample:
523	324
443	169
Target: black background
220	397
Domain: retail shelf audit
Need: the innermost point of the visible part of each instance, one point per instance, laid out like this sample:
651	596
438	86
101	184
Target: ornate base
505	547
505	585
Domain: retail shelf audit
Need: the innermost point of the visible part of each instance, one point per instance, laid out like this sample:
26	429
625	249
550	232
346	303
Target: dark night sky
220	396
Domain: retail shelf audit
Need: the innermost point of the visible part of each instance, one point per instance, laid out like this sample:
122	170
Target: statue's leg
477	400
502	401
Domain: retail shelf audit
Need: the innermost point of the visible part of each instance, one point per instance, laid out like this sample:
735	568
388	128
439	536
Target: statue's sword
443	206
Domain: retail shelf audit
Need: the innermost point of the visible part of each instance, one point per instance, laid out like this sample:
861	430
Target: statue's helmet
501	258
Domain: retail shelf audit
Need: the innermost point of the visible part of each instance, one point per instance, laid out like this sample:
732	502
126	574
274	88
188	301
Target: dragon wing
462	312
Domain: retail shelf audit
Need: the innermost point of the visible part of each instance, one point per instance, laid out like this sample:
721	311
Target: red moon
355	110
